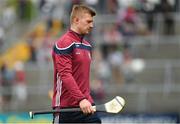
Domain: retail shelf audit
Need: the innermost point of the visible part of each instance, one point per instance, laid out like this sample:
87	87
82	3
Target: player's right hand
86	107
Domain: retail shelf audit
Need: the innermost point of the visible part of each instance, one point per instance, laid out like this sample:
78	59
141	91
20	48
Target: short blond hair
78	9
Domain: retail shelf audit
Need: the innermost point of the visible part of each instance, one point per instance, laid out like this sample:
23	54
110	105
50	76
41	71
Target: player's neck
81	36
75	29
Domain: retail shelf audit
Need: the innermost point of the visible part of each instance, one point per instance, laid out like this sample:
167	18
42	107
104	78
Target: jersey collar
76	35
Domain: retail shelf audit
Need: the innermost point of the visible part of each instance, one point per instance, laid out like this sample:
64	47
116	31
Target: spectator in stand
115	59
126	66
32	47
168	18
112	6
25	9
7	79
42	3
20	88
22	4
8	17
112	35
126	24
126	21
149	9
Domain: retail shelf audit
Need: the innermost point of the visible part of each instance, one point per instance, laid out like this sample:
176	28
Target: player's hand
86	107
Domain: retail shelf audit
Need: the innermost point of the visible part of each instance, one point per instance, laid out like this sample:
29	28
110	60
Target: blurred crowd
113	61
13	86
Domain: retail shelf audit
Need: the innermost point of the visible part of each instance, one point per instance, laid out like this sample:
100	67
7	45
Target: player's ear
76	20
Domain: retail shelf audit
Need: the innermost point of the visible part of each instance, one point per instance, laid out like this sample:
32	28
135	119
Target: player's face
85	23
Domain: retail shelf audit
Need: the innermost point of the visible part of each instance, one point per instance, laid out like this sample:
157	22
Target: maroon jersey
71	57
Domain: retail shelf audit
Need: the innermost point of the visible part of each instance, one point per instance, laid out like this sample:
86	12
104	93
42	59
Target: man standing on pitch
72	58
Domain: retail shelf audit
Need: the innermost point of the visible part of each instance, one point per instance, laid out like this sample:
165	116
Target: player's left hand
86	107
